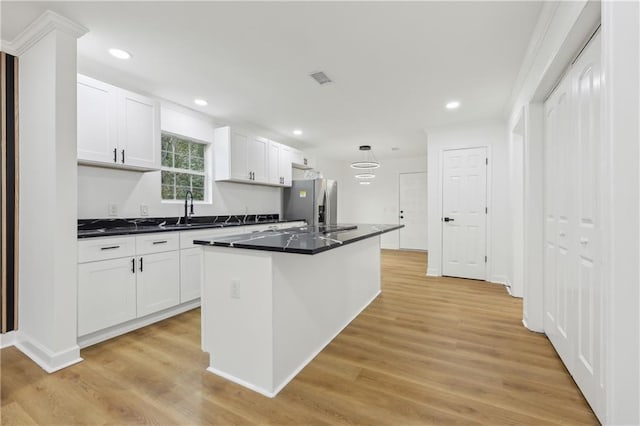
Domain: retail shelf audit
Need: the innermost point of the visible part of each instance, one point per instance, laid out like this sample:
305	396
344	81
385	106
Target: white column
47	320
621	132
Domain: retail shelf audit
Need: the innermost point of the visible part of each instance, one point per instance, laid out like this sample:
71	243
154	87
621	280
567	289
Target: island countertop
301	240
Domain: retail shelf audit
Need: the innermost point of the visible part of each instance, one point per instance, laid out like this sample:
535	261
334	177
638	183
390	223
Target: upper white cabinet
279	164
284	165
117	128
240	157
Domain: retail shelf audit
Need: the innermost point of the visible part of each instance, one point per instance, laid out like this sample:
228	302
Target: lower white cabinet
190	273
106	294
158	283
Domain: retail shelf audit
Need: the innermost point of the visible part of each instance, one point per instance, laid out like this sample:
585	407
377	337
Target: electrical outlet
113	209
144	210
235	289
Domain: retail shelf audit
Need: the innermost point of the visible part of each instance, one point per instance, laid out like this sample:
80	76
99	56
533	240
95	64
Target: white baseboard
535	330
49	361
117	330
241	382
500	279
8	339
433	272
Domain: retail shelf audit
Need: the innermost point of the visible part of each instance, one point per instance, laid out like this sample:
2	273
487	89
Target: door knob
448	219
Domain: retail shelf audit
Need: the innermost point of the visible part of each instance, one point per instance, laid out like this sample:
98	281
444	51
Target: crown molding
6	47
548	12
43	25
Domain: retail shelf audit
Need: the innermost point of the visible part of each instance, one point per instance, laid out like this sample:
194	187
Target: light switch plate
113	209
144	210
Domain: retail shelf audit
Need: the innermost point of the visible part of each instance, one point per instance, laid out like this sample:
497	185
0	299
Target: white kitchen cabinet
97	123
117	128
279	164
158	283
190	273
106	294
284	165
274	168
299	160
240	157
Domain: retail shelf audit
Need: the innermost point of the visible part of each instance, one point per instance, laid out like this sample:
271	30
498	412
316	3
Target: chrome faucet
190	213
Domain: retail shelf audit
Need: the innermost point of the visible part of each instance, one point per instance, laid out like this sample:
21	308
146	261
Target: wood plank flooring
427	351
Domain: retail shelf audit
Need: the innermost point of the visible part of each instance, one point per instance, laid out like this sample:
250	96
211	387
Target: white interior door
464	217
588	372
413	210
573	297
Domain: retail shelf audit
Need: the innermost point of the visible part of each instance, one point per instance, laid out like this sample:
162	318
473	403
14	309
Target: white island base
268	314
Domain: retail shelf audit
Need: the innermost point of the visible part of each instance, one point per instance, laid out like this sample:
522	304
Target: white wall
99	187
375	203
493	135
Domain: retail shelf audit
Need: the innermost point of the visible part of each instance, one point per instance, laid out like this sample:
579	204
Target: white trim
500	279
39	28
433	272
526	325
535	44
47	360
241	382
120	329
8	339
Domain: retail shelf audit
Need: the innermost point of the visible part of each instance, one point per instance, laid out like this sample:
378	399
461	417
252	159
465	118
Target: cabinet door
97	121
239	151
139	131
284	163
257	158
158	282
190	273
274	170
106	294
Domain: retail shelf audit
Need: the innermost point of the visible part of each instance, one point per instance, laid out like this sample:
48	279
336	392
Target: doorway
464	213
413	211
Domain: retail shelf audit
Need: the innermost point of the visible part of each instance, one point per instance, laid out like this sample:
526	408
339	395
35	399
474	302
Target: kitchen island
272	300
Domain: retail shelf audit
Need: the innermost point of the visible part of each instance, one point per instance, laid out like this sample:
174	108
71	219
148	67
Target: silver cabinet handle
109	248
160	242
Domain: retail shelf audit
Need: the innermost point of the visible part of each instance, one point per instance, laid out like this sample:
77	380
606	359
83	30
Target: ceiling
394	65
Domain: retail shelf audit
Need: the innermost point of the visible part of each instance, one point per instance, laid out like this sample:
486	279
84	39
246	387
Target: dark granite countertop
90	228
302	240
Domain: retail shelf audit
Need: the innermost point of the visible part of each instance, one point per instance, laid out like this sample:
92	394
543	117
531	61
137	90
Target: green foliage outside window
183	168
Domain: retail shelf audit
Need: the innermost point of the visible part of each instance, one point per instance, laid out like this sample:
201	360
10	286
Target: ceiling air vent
320	77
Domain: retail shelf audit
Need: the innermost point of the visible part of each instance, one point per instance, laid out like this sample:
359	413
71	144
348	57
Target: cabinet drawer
187	237
92	249
157	243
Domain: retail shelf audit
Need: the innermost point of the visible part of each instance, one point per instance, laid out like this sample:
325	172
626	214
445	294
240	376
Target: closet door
559	221
573	296
589	301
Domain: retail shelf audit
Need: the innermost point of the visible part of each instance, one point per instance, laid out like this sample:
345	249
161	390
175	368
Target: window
183	168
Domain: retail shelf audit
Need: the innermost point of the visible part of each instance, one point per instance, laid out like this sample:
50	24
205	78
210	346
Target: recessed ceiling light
297	132
365	182
365	176
200	102
453	105
119	53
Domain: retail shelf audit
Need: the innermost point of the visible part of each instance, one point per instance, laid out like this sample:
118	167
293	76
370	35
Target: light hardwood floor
426	351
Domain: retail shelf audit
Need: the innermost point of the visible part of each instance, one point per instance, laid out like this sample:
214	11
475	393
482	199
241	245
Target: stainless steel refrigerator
314	200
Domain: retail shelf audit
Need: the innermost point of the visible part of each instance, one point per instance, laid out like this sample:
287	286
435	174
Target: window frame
208	163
